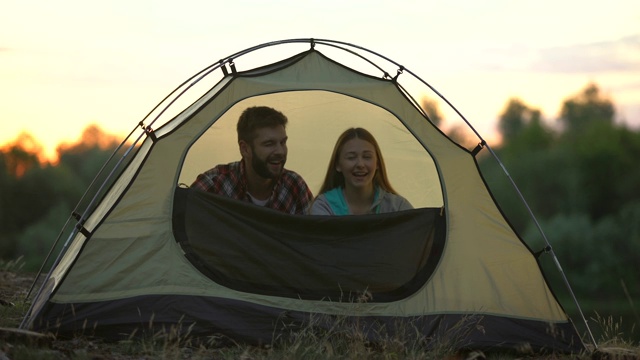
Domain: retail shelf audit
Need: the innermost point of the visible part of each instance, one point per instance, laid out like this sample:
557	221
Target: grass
321	338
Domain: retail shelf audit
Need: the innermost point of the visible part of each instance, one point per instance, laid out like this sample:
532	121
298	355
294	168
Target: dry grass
322	338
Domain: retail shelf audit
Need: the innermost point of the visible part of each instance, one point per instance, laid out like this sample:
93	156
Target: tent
147	252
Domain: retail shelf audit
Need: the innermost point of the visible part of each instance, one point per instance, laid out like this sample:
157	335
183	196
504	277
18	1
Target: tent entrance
316	120
383	257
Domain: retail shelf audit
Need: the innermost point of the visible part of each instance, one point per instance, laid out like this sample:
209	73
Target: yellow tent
151	252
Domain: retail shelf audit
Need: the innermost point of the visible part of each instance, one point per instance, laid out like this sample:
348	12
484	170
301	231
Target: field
15	344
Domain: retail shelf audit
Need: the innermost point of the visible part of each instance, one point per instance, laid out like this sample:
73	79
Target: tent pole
60	254
553	254
46	259
55	243
199	76
81	219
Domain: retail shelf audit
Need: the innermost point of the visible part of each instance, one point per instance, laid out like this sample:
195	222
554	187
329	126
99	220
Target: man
260	177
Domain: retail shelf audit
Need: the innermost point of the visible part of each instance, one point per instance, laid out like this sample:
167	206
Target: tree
520	123
86	156
37	197
430	106
17	159
587	108
513	119
21	154
606	156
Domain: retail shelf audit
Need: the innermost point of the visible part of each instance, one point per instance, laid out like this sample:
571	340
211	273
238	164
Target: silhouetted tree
430	106
85	157
17	160
587	108
513	119
37	197
21	155
523	127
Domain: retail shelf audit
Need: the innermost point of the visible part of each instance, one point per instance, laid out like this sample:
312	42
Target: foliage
39	196
598	256
581	183
518	118
432	110
586	109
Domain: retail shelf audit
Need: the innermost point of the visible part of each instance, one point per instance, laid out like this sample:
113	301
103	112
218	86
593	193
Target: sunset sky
67	64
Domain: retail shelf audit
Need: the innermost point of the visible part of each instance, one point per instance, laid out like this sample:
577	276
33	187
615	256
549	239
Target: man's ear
245	149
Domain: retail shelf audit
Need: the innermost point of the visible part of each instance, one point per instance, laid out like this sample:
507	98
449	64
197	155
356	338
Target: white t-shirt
257	201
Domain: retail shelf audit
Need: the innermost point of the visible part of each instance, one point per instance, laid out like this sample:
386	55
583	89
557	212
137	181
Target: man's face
267	153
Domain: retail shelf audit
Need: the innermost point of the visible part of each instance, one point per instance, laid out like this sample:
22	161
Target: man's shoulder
291	176
223	169
291	173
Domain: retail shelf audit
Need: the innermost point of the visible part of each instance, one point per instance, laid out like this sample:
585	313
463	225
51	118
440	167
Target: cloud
622	55
630	115
627	86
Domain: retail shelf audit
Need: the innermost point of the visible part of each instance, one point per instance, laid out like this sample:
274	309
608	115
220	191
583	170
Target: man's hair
258	117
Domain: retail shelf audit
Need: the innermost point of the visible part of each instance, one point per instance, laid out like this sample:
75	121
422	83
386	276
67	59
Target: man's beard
262	168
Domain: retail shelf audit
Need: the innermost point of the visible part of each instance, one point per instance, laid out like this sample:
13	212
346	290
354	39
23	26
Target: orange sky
75	63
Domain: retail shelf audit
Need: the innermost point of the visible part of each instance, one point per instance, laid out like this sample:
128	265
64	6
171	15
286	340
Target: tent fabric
258	250
206	317
138	262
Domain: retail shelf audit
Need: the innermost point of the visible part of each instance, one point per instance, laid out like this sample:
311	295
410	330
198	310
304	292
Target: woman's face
358	163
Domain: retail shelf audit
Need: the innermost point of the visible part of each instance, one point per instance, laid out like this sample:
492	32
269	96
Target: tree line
38	196
579	175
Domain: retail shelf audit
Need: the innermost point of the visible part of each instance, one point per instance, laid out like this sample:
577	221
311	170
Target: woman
356	182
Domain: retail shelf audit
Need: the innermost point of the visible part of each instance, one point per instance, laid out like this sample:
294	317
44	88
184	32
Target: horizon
75	64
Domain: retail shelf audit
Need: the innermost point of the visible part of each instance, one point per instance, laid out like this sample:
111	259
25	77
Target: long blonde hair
334	178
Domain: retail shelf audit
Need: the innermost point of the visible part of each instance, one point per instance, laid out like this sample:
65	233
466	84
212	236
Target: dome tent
150	253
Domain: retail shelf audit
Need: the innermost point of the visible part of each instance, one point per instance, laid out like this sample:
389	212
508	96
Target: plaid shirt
290	193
